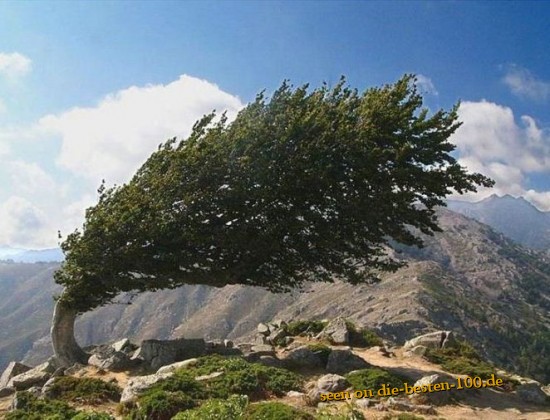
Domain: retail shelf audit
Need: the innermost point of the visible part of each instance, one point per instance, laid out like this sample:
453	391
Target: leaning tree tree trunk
66	349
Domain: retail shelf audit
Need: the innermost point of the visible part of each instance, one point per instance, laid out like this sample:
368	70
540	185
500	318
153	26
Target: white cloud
524	84
13	65
426	85
22	224
110	141
490	141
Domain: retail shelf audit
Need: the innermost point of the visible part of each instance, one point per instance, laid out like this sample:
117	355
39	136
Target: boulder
343	361
159	353
123	345
437	398
416	351
531	392
325	384
270	361
34	377
401	404
115	361
6	391
139	384
303	357
74	369
178	365
277	336
336	331
263	329
434	340
13	369
228	344
46	389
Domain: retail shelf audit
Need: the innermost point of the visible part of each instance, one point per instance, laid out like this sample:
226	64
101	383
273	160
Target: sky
89	89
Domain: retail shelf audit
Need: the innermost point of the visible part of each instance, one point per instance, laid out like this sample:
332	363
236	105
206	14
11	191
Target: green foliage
362	337
340	412
462	359
239	377
402	416
161	405
533	358
309	185
275	411
93	416
32	408
373	378
86	390
302	327
232	408
321	350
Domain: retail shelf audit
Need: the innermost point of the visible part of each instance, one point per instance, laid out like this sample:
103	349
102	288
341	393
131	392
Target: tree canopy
308	185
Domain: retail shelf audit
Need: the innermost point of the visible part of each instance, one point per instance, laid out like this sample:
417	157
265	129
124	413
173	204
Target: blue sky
88	89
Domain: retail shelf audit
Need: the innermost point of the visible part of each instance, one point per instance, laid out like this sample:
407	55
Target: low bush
232	408
275	411
303	327
339	412
321	350
373	379
161	405
86	390
461	358
362	337
32	408
92	416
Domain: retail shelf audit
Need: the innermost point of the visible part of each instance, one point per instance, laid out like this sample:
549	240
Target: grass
85	390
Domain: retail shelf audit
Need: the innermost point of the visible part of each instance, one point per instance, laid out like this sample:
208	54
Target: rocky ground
323	354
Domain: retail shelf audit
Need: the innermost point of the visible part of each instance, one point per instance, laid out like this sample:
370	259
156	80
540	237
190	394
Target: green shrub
275	411
32	408
362	337
232	408
305	327
461	358
373	379
92	416
239	377
402	416
86	390
339	412
161	405
321	350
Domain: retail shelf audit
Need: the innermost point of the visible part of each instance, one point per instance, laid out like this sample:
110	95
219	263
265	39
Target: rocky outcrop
37	376
13	369
178	365
303	357
434	340
337	332
532	392
323	385
158	353
140	384
344	361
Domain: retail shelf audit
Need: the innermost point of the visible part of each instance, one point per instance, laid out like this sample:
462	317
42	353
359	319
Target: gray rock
434	340
34	377
531	392
263	348
365	403
46	389
6	391
416	351
212	375
279	323
228	344
115	361
303	357
401	404
121	345
270	361
139	384
343	361
263	329
295	394
336	331
437	398
13	369
74	369
325	384
159	353
178	365
276	336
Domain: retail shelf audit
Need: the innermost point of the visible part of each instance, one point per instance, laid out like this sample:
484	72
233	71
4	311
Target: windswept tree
309	185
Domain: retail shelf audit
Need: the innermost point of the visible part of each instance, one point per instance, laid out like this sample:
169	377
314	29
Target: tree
307	186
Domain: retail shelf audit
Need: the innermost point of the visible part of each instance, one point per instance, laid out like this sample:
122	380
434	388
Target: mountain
515	217
469	279
30	255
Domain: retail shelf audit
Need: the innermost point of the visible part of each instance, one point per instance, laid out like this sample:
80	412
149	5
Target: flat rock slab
13	369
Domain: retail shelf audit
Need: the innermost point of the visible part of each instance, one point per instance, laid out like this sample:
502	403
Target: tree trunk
66	349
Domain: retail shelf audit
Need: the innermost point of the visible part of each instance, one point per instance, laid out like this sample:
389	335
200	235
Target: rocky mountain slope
515	217
468	279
